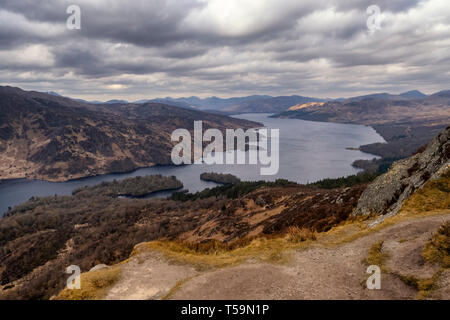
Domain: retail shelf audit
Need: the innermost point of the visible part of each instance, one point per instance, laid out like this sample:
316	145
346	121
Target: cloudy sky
155	48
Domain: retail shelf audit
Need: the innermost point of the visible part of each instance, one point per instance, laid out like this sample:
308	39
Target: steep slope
55	138
388	192
410	249
40	238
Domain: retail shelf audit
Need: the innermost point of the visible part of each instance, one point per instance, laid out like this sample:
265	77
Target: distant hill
49	137
414	94
116	101
53	93
306	105
271	105
170	102
374	96
406	123
377	109
442	94
254	103
213	103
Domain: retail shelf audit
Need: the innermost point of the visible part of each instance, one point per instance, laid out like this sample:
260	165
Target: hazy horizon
144	97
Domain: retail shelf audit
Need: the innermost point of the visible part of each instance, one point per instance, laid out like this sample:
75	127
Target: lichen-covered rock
388	192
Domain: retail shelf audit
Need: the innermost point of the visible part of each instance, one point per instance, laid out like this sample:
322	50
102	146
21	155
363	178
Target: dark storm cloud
391	5
148	23
145	23
158	47
184	51
44	11
89	64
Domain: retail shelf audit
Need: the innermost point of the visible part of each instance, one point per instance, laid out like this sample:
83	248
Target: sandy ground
319	272
148	276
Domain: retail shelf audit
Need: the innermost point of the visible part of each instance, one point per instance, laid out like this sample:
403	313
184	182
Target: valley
302	160
206	233
241	229
217	152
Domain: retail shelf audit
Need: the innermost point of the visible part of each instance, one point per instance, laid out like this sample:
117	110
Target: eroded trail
321	271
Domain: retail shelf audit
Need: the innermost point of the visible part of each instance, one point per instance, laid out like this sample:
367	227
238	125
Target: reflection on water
309	151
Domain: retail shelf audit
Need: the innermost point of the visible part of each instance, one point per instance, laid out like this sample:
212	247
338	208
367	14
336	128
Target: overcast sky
155	48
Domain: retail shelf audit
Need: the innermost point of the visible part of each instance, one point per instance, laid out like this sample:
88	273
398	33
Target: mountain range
48	136
255	103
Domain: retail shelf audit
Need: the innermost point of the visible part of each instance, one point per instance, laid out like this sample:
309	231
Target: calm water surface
309	151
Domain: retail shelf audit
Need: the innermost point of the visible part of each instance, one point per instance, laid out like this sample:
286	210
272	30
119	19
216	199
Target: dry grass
215	254
433	196
376	256
212	246
266	249
275	249
437	249
94	285
432	199
424	287
296	234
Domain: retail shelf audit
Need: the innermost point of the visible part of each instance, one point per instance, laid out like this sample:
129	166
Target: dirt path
148	276
319	272
322	273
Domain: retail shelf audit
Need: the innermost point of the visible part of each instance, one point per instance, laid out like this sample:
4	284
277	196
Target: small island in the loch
222	178
132	187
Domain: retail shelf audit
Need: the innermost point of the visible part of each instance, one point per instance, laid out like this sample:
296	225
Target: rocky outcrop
388	192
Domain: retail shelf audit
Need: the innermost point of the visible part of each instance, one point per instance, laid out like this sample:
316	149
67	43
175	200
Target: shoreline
148	195
88	176
269	115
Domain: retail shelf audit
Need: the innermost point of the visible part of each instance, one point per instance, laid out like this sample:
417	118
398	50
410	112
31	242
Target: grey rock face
388	192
